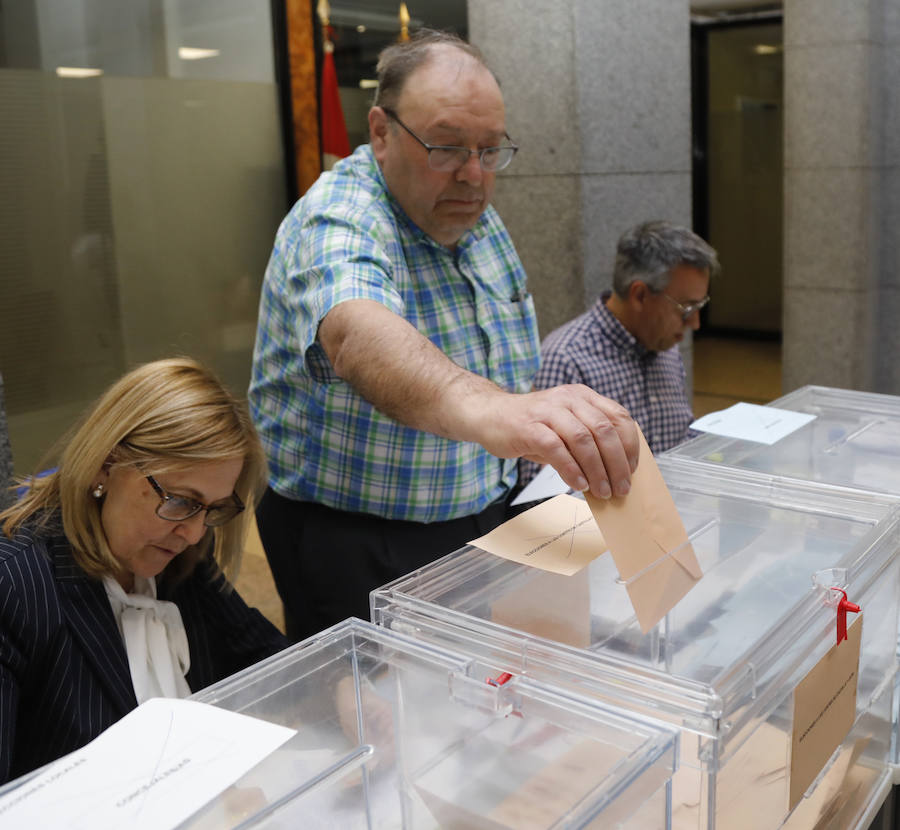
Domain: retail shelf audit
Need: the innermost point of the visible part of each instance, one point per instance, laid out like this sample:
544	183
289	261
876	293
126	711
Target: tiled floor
725	371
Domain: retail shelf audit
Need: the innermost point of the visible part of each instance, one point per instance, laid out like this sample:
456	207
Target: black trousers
325	562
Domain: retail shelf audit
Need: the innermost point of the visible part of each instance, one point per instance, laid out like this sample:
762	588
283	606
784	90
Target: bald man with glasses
626	345
396	349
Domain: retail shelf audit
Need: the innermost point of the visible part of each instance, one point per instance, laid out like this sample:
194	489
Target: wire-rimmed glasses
687	309
449	159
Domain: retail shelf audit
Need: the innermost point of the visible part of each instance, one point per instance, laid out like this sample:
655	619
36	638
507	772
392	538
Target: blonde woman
113	568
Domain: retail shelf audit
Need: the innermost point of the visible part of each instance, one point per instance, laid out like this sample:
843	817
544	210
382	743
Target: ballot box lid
852	442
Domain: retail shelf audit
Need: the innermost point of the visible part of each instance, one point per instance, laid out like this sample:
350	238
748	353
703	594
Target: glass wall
141	184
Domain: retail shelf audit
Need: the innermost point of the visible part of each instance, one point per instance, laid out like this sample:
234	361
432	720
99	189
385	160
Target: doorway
738	169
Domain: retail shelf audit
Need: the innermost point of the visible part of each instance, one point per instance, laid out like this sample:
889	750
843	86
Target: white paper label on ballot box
752	422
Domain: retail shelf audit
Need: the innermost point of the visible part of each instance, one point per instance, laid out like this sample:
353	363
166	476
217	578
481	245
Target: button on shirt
347	239
597	350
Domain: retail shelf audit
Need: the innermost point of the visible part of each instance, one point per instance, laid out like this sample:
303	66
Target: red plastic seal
843	607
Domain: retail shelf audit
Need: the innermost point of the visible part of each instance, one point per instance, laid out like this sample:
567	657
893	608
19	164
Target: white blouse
155	640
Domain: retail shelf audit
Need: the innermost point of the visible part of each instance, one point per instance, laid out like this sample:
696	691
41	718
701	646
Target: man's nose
471	171
693	321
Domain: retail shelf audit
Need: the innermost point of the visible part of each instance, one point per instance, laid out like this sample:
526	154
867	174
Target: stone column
841	280
887	59
598	97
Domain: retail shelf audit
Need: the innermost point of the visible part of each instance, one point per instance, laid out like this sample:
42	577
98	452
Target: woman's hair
165	416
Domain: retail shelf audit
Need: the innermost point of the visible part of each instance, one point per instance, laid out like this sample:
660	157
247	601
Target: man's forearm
399	371
590	440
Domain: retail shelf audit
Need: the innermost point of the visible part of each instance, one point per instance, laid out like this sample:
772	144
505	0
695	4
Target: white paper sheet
150	771
751	422
545	484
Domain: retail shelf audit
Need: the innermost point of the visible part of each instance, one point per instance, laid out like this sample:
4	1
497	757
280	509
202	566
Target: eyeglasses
687	309
446	159
174	508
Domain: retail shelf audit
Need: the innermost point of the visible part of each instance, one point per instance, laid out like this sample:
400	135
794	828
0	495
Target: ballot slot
842	438
694	536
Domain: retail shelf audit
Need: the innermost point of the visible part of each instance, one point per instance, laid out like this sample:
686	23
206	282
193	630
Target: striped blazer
64	674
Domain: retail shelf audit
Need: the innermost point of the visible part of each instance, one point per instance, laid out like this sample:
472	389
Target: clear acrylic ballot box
853	442
392	733
724	664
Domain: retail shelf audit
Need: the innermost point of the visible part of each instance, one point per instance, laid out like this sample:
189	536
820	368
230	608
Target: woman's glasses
174	508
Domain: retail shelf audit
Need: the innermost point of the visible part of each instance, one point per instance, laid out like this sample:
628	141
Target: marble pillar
598	98
841	234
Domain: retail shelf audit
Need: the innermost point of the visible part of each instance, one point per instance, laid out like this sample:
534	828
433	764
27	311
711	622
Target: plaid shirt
347	239
597	350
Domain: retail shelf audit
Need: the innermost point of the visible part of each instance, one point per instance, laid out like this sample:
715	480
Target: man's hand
591	441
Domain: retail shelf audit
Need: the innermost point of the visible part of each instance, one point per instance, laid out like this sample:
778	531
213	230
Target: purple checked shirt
597	350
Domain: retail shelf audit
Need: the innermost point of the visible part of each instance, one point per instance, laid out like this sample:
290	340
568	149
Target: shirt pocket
510	327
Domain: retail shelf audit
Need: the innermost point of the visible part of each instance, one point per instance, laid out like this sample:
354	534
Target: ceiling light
77	72
361	29
766	49
192	53
368	83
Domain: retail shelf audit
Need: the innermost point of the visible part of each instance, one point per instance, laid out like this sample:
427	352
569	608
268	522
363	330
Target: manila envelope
558	535
648	542
824	710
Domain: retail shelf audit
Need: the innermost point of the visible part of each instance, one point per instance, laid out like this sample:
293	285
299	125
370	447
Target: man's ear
378	129
638	292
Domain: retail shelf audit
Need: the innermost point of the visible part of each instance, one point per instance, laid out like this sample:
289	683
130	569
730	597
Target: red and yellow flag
335	144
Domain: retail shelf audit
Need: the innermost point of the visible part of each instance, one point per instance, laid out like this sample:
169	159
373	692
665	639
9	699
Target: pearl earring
98	491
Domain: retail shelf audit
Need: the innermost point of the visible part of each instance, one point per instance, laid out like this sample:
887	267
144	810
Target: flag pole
323	9
404	23
335	143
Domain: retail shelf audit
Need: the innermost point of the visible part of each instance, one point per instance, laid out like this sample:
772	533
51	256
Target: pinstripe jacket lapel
86	608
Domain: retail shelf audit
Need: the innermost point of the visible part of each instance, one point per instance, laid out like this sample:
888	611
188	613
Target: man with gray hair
626	345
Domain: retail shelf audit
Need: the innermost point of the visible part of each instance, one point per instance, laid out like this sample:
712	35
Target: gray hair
399	60
649	252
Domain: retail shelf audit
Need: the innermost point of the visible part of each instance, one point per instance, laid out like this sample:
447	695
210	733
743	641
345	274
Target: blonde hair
169	415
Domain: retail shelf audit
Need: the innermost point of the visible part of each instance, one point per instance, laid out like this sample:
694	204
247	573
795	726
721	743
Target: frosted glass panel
137	206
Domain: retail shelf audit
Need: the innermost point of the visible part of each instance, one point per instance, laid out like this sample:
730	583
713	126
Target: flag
335	144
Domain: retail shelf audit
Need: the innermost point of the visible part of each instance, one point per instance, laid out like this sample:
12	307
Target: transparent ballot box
392	733
727	664
853	442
